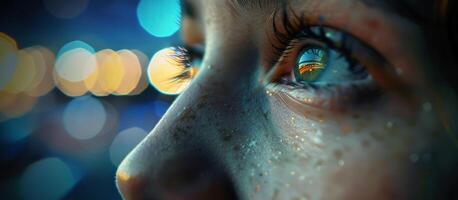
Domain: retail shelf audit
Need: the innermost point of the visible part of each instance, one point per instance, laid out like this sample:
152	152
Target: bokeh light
108	75
143	82
69	88
17	129
163	70
23	74
44	81
8	58
84	117
65	9
124	142
21	105
47	179
76	65
159	17
133	72
75	45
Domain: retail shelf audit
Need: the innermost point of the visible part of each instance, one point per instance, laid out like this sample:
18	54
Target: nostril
189	176
193	177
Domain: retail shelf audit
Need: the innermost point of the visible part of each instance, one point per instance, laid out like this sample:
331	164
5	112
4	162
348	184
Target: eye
319	65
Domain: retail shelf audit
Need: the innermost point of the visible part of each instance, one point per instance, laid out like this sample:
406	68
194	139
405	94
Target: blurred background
75	93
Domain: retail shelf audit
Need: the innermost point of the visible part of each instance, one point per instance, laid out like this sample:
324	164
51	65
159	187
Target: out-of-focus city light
22	104
143	82
47	179
17	129
159	17
44	81
133	72
76	64
163	70
108	75
23	74
75	45
124	142
65	9
84	117
8	58
71	89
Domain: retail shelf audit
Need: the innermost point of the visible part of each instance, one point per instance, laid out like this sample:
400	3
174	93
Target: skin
233	134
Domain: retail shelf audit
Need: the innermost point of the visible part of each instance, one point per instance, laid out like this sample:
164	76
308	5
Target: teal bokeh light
47	179
74	45
160	18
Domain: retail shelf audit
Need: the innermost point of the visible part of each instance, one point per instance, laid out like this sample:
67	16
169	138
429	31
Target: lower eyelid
334	97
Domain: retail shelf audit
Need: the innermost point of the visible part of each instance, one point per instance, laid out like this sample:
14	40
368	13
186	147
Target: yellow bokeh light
24	73
108	74
133	72
22	104
163	70
143	82
46	84
69	88
9	40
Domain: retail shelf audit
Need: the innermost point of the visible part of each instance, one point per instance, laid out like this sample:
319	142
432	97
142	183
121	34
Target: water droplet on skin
341	163
399	71
389	124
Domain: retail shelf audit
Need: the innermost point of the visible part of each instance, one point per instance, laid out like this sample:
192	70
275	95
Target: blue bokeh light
74	45
124	142
17	129
84	117
159	17
47	179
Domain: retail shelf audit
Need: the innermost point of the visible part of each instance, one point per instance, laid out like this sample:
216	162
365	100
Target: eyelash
296	29
184	56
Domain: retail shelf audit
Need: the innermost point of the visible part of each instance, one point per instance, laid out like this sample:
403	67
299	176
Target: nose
182	157
189	153
189	175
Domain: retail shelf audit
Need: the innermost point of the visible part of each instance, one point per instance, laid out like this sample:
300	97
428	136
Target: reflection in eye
312	62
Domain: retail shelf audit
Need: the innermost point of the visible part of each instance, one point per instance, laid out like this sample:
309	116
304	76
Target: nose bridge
214	113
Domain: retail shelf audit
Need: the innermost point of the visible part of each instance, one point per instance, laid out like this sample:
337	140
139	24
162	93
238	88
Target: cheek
345	156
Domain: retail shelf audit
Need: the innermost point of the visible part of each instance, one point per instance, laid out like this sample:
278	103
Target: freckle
338	154
319	163
345	129
258	188
373	24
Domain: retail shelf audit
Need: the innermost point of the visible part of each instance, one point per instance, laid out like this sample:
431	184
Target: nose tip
182	177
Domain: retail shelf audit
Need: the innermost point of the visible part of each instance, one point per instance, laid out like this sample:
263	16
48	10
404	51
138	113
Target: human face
252	126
